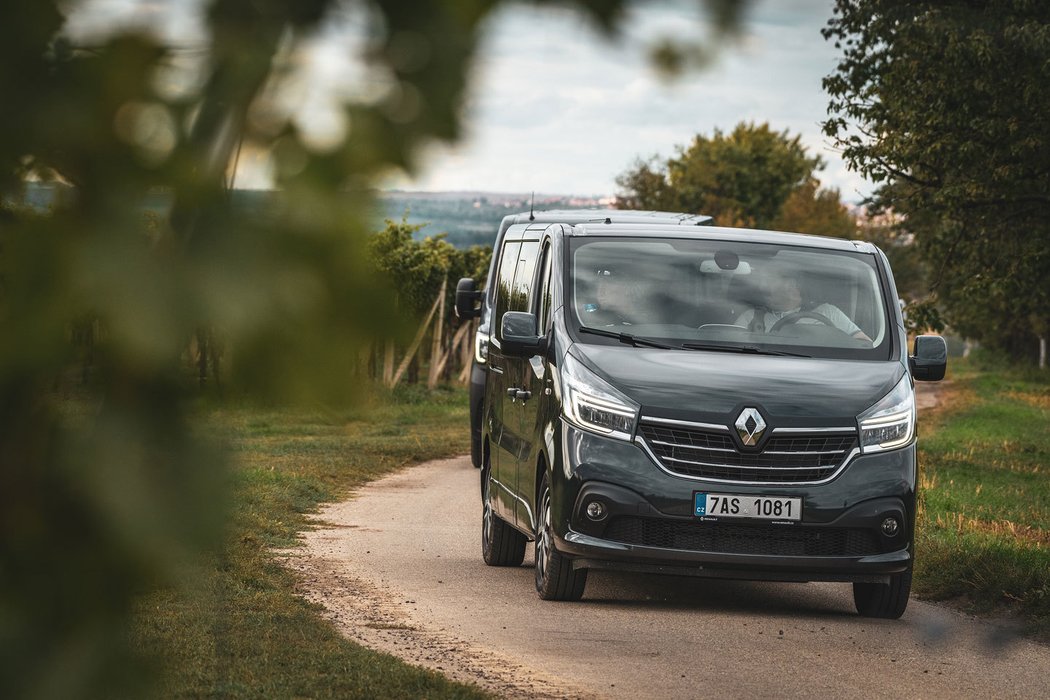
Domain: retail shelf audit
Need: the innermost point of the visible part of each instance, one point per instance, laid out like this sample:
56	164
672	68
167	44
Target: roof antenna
532	205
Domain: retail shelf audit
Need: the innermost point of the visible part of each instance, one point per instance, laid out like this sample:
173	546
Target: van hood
715	386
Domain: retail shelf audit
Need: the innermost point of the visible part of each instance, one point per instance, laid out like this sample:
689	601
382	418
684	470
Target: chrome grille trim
705	452
800	452
741	466
692	447
689	424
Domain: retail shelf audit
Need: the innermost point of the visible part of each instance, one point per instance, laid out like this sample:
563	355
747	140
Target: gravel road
399	568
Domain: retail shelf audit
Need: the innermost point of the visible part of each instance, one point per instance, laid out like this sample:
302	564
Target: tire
501	545
887	601
555	577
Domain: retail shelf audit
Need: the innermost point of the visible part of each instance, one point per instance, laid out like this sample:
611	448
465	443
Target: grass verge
236	628
983	536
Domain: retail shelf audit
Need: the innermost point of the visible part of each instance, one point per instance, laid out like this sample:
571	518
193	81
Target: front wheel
883	600
555	577
501	545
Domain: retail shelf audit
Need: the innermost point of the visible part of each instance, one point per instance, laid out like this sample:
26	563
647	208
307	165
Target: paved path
399	568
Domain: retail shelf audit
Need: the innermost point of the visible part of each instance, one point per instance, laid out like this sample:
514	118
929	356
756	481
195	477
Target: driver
611	304
785	299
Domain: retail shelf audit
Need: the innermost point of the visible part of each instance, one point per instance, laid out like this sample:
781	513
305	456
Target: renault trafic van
702	401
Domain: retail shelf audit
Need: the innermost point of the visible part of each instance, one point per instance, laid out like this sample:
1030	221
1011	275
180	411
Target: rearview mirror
930	358
466	296
519	335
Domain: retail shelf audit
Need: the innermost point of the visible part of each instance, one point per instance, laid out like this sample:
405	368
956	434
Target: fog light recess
596	510
890	527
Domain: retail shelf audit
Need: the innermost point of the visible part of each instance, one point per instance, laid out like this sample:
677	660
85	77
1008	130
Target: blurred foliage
944	103
110	493
752	176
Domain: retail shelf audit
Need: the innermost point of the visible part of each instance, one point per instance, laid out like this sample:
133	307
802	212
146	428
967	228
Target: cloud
556	108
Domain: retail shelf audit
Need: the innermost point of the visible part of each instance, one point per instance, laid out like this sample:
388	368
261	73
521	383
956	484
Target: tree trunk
202	357
216	350
364	362
1042	352
388	363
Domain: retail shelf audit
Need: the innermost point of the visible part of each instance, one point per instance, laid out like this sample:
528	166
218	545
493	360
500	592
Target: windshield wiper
744	349
628	339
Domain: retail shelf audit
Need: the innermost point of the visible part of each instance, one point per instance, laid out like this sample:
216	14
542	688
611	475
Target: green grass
235	628
983	537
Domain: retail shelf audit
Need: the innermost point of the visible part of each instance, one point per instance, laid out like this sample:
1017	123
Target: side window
545	293
521	290
504	278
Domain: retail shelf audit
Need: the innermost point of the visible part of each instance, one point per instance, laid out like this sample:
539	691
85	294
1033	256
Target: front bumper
649	524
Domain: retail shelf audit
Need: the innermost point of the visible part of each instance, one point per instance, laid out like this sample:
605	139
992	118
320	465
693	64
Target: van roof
581	216
657	230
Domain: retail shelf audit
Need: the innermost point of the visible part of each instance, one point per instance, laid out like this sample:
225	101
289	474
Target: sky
557	108
554	106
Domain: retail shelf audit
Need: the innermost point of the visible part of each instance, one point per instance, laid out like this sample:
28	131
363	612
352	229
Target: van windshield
729	296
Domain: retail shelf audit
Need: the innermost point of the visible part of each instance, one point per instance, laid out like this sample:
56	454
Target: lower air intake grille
728	538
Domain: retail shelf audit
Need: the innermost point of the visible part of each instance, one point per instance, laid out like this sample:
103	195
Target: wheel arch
486	455
542	466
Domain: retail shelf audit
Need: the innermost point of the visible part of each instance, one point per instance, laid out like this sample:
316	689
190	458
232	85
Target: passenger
784	300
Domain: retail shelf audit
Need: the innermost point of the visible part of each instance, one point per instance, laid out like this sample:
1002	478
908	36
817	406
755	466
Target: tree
414	273
943	103
98	503
753	176
816	210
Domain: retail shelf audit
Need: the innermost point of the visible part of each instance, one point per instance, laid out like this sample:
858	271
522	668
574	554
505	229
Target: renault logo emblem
750	426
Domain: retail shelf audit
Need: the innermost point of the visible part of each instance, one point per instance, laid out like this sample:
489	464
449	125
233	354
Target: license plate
728	505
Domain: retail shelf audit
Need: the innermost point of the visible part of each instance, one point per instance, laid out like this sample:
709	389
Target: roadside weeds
983	531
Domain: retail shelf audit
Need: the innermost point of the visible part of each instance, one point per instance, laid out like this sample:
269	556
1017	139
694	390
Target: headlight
481	347
591	403
890	423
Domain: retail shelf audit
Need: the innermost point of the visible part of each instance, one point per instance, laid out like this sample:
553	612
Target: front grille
730	538
712	454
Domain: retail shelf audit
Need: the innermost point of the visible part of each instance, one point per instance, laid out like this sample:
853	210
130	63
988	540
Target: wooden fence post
467	351
457	339
436	354
417	340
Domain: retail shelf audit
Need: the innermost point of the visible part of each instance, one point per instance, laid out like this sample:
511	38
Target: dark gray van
467	288
703	401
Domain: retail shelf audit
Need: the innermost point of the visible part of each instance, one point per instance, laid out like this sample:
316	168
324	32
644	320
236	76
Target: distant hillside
468	218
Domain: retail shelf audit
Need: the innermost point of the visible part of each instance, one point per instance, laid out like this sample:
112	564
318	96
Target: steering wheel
794	318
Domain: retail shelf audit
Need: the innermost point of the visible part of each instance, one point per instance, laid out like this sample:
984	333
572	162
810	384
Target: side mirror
930	358
519	335
466	296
